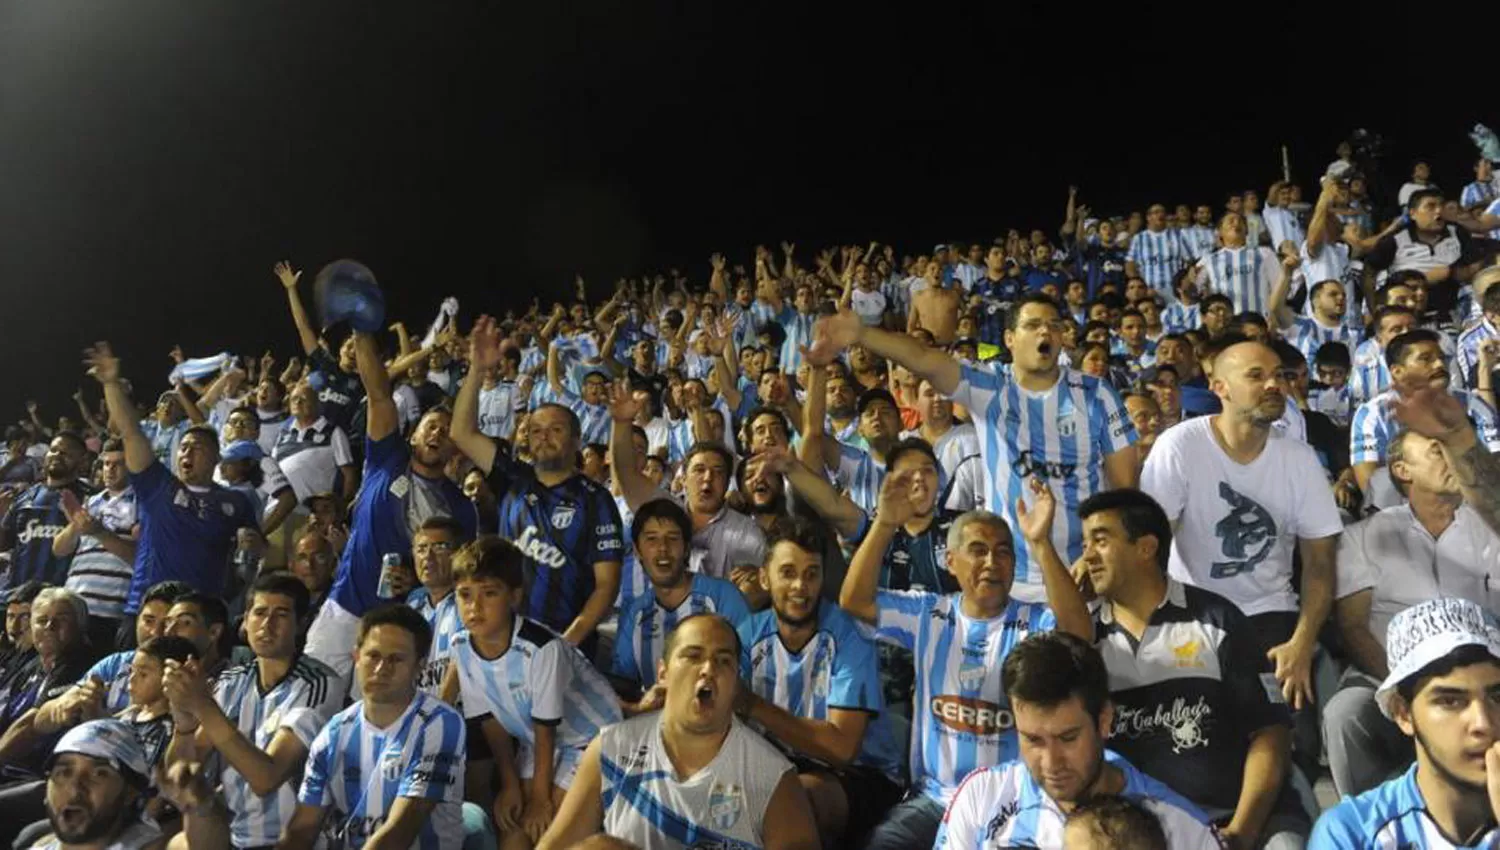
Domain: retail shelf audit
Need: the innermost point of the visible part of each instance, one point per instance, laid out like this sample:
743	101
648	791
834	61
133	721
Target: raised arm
1035	526
1282	315
105	368
381	419
305	332
862	581
833	334
484	354
1323	227
716	282
88	415
818	449
624	405
554	370
1440	416
834	507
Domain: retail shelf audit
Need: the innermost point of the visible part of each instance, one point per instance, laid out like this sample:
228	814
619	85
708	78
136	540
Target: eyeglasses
440	547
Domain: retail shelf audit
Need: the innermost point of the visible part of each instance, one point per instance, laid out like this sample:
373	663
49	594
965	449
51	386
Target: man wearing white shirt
1281	222
1241	497
1200	236
1242	271
1432	546
312	451
1421	179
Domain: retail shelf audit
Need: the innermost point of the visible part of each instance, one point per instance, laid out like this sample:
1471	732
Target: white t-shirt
1237	524
869	306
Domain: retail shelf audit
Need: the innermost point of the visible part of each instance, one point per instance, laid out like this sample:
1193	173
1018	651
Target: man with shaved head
1240	498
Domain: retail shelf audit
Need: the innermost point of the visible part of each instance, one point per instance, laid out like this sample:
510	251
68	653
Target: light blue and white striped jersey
358	770
633	580
1493	209
835	669
1466	355
592	418
1062	435
722	806
1245	274
1308	335
1158	257
798	333
1179	317
1374	425
114	671
961	719
1004	806
1477	193
1391	815
897	292
860	475
1283	226
1200	240
498	406
540	679
532	359
644	625
445	622
102	578
956	445
1370	376
1134	363
301	703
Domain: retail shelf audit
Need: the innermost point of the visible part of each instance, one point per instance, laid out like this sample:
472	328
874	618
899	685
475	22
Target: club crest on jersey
390	764
562	516
971	676
726	801
1067	426
227	508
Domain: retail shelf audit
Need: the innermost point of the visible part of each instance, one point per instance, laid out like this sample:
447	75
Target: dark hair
207	432
1013	315
766	410
1395	352
872	395
1140	516
1289	355
1109	300
512	354
1050	668
1333	354
1123	823
402	616
1249	317
1421	195
1183	276
444	523
169	648
73	437
1409	278
804	533
1131	311
283	584
113	444
1091	326
575	428
248	411
1213	298
1175	337
215	612
166	591
1313	293
25	592
661	509
1490	303
490	557
908	446
702	446
1385	312
1464	656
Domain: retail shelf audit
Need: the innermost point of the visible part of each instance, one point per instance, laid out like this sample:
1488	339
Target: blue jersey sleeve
855	683
899	615
1338	829
315	791
609	541
730	603
152	484
388	454
624	664
436	772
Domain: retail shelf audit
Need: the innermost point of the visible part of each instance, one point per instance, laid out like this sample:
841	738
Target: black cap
870	396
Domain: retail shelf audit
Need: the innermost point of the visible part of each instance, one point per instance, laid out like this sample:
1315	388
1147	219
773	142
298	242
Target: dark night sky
156	158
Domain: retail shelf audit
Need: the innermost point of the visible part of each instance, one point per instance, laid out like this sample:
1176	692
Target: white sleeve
1164	477
964	823
1318	514
1354	572
549	678
342	456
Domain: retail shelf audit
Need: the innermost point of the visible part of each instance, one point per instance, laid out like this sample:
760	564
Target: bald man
1239	499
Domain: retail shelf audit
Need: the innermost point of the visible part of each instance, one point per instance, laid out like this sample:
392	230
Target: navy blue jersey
340	392
34	519
1101	264
187	533
393	502
563	531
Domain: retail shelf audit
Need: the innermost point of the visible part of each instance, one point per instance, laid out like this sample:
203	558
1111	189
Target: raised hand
267	362
484	344
715	260
185	784
31	407
1036	522
788	247
101	362
625	404
285	274
176	355
831	336
895	505
775	459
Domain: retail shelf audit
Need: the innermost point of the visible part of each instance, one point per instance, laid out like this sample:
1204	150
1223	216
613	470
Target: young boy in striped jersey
261	717
521	681
661	532
390	767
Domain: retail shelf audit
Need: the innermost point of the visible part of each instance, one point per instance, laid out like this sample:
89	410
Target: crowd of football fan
1118	538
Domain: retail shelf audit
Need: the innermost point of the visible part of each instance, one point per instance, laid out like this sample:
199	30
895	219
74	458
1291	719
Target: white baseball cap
108	740
1428	632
